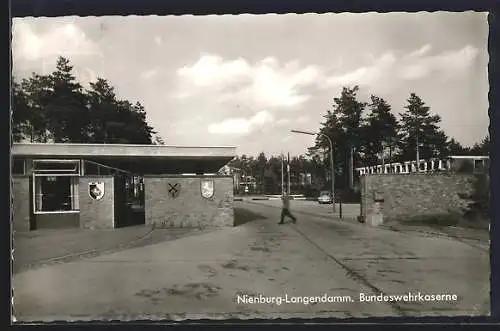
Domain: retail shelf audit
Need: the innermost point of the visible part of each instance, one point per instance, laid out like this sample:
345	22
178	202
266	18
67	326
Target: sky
247	80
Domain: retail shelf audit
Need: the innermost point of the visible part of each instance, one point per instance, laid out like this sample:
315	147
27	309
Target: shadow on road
242	216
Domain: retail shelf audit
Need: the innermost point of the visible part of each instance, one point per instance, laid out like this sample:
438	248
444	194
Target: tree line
56	108
363	134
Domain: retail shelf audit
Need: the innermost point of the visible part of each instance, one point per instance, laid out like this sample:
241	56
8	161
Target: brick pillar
21	212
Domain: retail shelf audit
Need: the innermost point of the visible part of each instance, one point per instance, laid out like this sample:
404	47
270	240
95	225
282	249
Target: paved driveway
42	247
202	276
349	211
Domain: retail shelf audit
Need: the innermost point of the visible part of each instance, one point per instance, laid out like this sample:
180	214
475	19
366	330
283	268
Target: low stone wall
177	202
406	197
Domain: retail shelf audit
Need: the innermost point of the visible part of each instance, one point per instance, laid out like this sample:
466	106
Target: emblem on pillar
207	188
174	190
96	190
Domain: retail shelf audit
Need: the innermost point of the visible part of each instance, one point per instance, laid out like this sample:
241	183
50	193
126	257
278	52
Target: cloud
421	51
222	85
275	85
283	121
62	40
148	74
448	62
388	68
240	126
264	84
366	74
212	69
34	50
302	119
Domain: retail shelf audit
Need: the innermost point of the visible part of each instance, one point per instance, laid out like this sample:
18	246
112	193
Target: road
349	211
201	276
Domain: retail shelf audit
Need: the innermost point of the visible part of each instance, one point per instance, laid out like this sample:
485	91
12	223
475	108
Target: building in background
473	164
248	185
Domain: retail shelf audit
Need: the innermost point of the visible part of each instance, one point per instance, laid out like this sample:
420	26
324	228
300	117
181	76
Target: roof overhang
143	159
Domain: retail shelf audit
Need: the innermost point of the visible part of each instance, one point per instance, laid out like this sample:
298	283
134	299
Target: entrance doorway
128	193
131	199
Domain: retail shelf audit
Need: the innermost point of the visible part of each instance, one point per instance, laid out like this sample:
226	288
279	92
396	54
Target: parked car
325	197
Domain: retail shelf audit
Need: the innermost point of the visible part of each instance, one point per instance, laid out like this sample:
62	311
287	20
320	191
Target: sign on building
96	190
174	190
207	188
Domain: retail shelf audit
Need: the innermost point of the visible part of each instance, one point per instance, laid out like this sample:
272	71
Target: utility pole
390	154
351	167
382	155
288	172
282	175
332	165
418	154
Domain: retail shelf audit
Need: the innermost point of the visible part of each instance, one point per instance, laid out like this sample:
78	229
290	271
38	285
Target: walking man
285	209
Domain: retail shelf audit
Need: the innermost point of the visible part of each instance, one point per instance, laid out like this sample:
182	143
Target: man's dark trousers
286	213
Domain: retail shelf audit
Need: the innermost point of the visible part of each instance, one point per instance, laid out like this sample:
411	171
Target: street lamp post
418	154
282	175
418	144
331	159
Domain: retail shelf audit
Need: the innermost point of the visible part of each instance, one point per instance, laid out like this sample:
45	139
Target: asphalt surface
201	276
41	248
350	212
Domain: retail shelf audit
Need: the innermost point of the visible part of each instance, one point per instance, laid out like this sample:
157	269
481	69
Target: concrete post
376	217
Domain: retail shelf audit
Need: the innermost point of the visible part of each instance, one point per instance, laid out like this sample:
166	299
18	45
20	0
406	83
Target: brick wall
189	208
416	196
20	203
96	214
56	221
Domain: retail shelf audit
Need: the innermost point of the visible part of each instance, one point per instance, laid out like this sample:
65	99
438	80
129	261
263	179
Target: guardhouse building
97	186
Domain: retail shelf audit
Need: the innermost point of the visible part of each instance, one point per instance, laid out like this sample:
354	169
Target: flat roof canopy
139	159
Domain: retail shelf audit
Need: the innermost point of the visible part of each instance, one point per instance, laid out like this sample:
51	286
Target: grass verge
242	216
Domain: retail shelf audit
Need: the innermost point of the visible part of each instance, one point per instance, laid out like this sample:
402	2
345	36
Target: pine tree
418	126
56	108
456	148
343	124
67	113
380	132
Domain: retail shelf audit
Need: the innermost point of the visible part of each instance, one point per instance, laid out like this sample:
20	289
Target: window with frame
55	186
